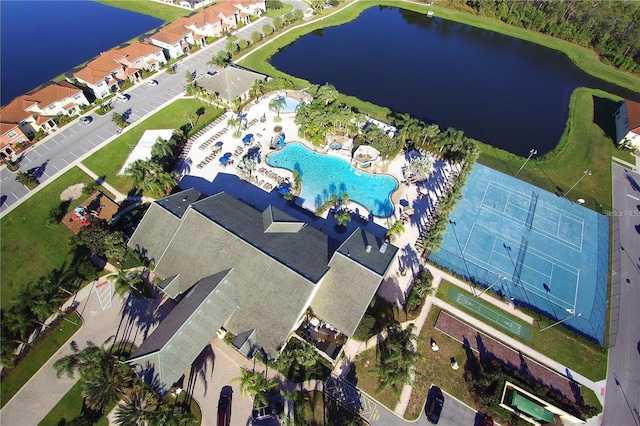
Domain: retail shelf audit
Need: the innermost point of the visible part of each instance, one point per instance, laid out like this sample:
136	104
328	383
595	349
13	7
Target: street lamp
573	314
531	154
500	277
586	173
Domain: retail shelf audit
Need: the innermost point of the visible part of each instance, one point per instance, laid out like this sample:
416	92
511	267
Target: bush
365	328
273	4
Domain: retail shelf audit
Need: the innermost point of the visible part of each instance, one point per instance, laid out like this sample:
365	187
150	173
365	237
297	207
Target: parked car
122	97
86	120
433	407
152	83
487	420
224	406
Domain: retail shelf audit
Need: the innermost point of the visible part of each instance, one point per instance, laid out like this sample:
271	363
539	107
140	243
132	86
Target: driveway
622	399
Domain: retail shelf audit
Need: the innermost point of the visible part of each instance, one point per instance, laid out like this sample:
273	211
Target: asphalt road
622	399
75	141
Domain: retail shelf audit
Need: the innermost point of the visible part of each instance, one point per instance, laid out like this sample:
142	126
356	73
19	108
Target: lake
40	40
500	90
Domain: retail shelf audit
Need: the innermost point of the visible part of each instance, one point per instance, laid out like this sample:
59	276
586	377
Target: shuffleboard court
490	314
531	247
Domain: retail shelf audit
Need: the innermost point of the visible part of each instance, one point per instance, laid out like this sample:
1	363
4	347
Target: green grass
44	348
361	376
272	13
557	343
71	406
147	7
108	161
30	247
583	146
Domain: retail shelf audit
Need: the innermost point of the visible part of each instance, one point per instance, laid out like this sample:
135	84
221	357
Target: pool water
324	175
290	104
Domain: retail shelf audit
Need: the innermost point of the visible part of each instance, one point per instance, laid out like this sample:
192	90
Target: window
13	134
76	97
52	106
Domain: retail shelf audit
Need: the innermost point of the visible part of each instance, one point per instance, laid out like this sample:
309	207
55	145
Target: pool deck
421	197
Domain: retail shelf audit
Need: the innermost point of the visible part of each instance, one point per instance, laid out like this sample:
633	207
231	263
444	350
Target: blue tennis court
530	246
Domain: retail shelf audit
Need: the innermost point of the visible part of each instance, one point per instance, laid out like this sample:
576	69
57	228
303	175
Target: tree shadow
202	369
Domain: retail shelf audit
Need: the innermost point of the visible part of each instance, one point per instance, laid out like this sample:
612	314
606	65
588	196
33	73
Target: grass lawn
157	10
272	13
30	247
44	348
108	161
558	343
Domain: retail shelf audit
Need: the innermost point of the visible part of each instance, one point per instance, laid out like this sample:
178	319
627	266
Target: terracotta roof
139	49
15	111
100	67
633	115
6	127
69	105
53	93
43	119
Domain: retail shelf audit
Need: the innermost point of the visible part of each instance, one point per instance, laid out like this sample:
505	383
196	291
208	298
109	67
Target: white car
122	97
152	83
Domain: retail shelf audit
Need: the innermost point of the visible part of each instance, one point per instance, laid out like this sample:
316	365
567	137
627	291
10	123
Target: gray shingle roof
182	335
230	82
154	232
377	259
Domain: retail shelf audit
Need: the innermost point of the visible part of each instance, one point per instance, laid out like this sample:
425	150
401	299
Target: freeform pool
325	175
290	104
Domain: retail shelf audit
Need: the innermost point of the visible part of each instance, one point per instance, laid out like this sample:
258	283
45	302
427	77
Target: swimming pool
324	175
290	104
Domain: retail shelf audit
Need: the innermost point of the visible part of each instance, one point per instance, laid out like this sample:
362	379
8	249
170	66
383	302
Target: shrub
365	328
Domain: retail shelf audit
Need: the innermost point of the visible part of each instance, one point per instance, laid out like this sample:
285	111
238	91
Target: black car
224	406
433	407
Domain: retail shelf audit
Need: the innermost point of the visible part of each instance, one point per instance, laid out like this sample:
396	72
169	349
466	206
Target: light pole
634	412
586	173
531	154
455	234
573	314
500	277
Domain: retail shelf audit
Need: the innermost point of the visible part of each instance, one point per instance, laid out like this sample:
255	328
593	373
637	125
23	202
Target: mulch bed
487	346
97	205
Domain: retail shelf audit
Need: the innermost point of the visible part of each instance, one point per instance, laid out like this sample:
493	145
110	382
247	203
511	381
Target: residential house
104	74
253	273
40	109
11	140
178	37
628	125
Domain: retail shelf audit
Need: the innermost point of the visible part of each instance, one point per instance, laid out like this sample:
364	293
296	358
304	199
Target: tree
256	36
327	93
343	217
235	122
278	22
189	116
220	59
137	170
139	407
277	104
421	167
243	44
396	229
106	384
255	385
119	120
26	179
231	46
267	29
189	76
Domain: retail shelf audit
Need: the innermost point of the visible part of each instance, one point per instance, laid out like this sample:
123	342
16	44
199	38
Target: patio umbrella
223	160
227	154
247	138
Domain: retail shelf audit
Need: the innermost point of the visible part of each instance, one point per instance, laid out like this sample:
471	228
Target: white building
628	125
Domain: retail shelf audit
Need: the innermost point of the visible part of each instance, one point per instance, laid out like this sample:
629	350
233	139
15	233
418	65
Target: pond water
500	90
40	40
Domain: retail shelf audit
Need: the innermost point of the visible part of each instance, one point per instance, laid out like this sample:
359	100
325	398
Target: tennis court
490	314
530	246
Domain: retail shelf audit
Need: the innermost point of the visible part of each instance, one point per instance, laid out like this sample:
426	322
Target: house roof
347	289
53	93
230	82
101	67
633	115
139	49
279	264
15	111
182	335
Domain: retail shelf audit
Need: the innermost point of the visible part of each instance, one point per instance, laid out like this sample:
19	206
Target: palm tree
343	217
106	384
81	361
189	116
138	171
220	59
235	122
254	384
277	104
327	93
139	407
305	356
125	283
396	229
246	167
